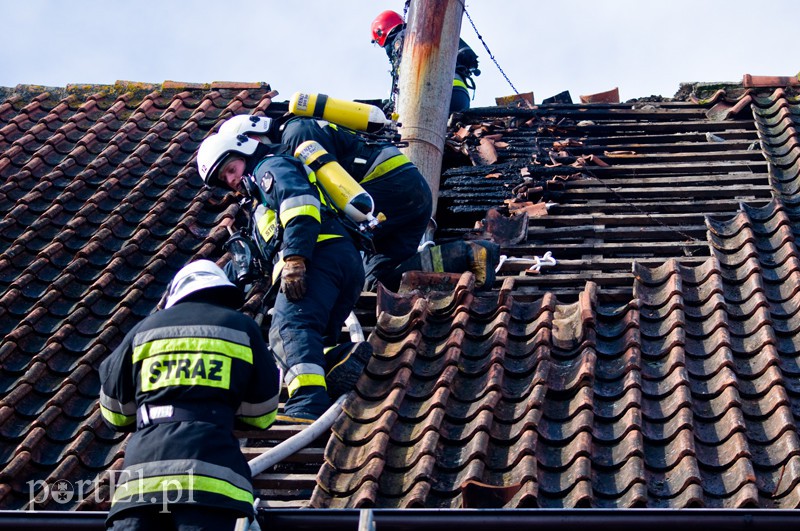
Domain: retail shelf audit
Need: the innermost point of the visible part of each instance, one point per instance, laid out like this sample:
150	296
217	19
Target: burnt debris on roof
638	348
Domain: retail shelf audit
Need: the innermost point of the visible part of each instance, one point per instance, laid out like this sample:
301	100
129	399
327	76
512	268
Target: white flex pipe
300	440
303	438
354	327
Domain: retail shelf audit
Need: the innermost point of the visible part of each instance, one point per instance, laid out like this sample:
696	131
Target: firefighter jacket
365	160
398	189
291	214
181	378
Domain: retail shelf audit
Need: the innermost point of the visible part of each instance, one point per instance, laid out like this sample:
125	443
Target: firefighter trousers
301	329
405	199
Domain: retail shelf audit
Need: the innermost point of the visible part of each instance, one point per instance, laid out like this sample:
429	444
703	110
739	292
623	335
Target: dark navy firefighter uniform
181	378
397	187
290	204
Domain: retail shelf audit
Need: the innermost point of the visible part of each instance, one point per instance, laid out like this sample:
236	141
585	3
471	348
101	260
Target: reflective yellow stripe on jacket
260	415
180	480
115	412
304	205
192	344
384	167
189	355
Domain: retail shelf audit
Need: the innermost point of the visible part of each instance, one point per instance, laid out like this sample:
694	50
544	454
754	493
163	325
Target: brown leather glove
293	278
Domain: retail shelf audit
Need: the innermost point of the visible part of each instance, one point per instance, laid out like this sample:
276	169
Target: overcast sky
644	47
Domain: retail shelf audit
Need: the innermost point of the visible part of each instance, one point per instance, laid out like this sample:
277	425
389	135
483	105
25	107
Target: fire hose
303	438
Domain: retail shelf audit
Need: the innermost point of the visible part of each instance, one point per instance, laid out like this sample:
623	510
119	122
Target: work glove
293	278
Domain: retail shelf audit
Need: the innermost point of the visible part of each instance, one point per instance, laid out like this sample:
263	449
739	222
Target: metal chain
491	56
480	37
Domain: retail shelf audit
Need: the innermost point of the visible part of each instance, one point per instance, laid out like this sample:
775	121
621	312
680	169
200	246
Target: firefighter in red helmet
388	30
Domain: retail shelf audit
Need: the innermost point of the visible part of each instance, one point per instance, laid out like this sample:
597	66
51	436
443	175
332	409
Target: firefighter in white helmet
399	192
314	261
181	379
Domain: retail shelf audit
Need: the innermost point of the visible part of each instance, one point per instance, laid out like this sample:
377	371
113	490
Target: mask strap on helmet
249	186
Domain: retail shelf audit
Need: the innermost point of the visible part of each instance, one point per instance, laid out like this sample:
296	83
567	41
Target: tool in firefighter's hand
360	117
293	278
346	194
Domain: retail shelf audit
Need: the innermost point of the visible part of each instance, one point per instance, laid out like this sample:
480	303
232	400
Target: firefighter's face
231	173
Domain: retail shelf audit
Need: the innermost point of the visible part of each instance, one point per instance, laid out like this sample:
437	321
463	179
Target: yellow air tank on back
347	195
350	114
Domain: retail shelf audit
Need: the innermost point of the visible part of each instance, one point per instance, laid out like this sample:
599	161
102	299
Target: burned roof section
651	362
638	348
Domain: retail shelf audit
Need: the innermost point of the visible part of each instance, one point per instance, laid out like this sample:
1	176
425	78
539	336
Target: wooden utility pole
426	83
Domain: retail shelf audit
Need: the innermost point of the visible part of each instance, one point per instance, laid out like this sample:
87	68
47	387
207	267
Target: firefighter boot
306	405
479	256
483	258
346	362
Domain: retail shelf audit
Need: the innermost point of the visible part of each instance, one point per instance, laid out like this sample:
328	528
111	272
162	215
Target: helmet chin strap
249	186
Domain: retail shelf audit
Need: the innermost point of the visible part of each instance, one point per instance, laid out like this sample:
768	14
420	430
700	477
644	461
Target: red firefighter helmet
383	25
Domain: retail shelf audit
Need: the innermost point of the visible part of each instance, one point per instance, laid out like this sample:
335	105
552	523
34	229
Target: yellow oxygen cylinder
350	114
347	195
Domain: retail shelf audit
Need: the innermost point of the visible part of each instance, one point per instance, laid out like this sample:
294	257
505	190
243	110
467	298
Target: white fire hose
303	438
298	441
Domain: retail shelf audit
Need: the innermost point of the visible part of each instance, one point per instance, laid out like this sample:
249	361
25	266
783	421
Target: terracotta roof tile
653	366
94	181
609	96
769	81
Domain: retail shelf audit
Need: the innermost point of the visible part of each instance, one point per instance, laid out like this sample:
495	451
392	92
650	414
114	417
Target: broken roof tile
749	80
654	366
608	96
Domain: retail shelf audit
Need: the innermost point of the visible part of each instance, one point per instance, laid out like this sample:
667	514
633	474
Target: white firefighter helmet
216	148
246	124
200	275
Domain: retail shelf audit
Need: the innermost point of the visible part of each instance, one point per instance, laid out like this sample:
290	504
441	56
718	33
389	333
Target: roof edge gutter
542	519
465	519
53	519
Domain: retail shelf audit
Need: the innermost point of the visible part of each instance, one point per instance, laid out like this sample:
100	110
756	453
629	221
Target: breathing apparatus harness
250	261
352	205
360	232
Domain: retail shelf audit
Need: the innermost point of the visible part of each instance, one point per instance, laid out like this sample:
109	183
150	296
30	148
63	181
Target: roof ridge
29	90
